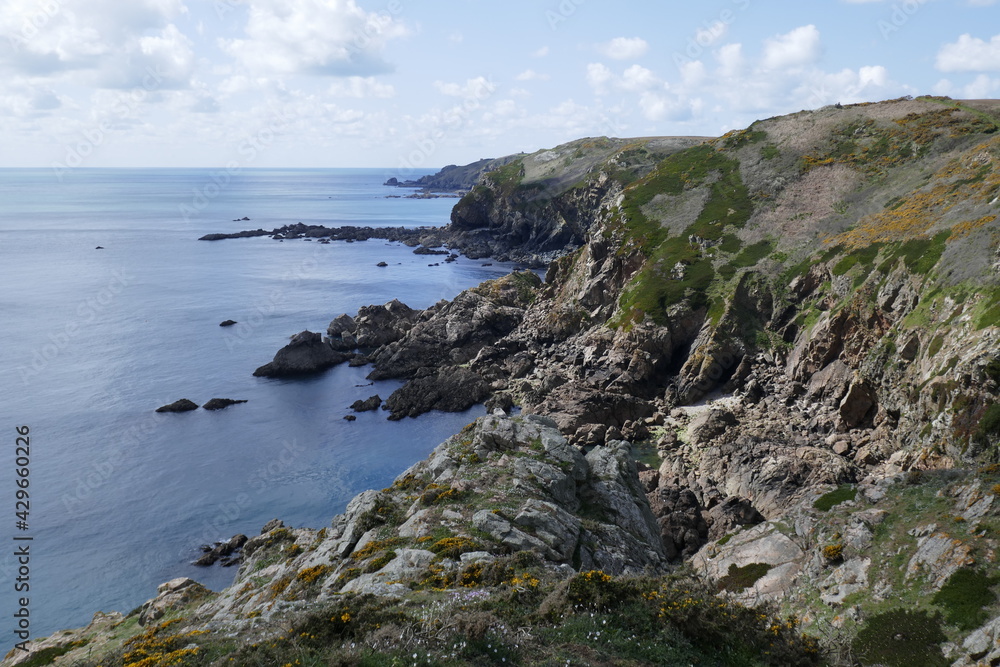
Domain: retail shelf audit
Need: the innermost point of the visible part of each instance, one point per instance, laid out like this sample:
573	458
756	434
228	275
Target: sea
120	498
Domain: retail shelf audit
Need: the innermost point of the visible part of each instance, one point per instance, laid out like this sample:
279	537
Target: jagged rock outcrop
449	389
307	353
501	486
171	595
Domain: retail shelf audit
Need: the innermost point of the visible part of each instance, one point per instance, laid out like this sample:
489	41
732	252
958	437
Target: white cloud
970	54
541	53
624	48
797	48
637	78
657	106
361	87
598	77
335	37
531	75
981	88
478	88
103	36
730	59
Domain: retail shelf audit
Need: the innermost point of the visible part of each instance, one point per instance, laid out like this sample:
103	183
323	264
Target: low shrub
965	598
896	638
833	553
740	578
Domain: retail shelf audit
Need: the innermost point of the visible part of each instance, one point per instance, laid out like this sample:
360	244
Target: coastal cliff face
793	326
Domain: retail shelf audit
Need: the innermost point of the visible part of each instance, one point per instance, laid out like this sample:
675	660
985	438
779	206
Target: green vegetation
48	655
921	255
865	257
740	138
987	313
590	616
508	177
898	637
936	343
827	501
989	425
993	370
965	598
752	254
740	578
677	269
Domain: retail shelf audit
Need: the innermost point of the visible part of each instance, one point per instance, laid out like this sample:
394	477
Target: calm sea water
93	341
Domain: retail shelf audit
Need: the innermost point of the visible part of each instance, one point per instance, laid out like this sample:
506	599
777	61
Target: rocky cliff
793	326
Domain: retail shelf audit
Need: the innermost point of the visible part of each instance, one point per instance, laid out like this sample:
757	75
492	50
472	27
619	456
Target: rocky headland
758	418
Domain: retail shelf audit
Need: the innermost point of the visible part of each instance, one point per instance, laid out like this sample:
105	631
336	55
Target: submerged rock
227	323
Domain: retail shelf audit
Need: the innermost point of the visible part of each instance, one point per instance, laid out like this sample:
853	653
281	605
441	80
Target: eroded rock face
306	354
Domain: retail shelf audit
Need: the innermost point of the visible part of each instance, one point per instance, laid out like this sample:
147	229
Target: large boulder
307	353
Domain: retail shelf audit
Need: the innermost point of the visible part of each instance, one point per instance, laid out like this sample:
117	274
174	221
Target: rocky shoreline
814	375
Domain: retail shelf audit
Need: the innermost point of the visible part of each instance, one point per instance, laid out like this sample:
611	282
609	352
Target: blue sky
401	83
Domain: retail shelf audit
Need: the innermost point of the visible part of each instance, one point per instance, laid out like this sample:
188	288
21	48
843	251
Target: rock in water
367	405
222	551
227	323
219	403
381	265
183	405
307	353
449	389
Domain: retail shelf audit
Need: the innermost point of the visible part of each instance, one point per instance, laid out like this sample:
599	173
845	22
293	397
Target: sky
406	84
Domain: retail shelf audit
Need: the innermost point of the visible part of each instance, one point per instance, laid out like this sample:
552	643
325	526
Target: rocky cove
758	418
